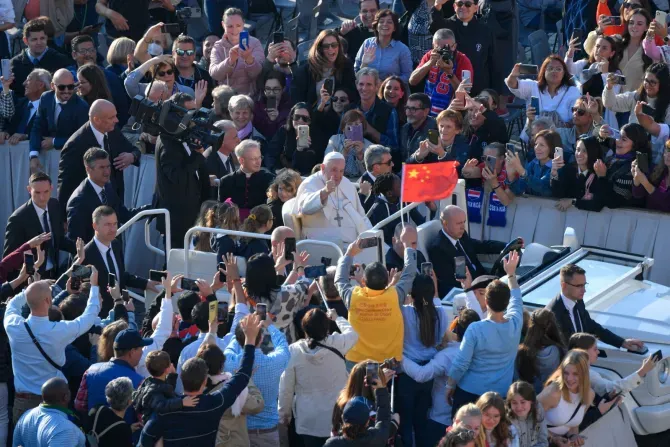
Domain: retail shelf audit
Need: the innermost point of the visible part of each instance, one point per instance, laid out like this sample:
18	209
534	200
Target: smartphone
558	152
352	270
434	135
577	34
6	68
289	248
326	261
459	270
491	163
467	76
614	20
222	276
29	261
354	133
661	17
620	79
371	372
75	283
611	397
657	356
648	110
81	271
222	312
535	103
528	69
426	268
125	296
262	311
510	147
315	271
156	275
642	162
368	242
189	284
244	40
329	85
278	37
271	103
303	134
171	29
213	310
111	280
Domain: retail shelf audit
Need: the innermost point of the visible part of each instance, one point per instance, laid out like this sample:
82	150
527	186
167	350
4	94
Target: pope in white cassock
328	205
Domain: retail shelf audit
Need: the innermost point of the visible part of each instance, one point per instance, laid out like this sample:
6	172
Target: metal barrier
143	214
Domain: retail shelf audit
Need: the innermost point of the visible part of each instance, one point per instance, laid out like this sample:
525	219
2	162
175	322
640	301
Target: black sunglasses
62	88
628	5
466	4
303	118
339	99
181	52
578	111
325	46
165	73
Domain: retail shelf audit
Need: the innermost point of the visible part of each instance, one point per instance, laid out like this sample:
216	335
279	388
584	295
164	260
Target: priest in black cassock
248	185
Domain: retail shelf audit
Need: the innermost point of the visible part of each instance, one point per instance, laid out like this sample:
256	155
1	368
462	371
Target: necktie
578	322
105	144
45	222
50	246
103	196
229	165
110	262
59	109
461	251
25	119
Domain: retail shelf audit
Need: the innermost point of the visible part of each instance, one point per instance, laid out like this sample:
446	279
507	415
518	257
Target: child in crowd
155	394
527	415
469	417
259	221
498	430
283	188
458	437
200	240
225	216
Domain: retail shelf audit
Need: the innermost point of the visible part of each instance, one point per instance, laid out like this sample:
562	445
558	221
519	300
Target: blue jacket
73	115
537	181
100	374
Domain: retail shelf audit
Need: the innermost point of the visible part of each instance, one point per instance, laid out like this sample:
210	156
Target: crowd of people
363	354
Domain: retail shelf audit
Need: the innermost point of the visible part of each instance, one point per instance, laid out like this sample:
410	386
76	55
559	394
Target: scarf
245	131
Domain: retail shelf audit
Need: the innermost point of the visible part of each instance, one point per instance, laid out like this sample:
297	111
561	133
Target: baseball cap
130	339
481	282
356	411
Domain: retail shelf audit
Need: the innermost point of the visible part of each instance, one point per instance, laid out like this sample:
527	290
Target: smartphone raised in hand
535	103
171	29
111	280
271	103
528	69
222	276
371	372
278	37
490	162
6	68
189	284
329	86
434	136
426	268
81	271
157	275
354	132
657	356
315	271
459	268
368	242
289	248
244	40
642	162
262	311
29	261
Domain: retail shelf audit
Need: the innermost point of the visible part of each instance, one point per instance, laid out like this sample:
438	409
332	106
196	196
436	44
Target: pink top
241	77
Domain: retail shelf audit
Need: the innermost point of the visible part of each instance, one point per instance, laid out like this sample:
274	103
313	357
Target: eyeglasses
169	72
466	4
181	52
650	81
553	69
387	163
62	88
578	286
303	118
413	109
325	46
628	5
273	90
86	51
464	435
340	99
578	111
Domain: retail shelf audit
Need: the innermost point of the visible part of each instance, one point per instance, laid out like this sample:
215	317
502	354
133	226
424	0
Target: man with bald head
100	131
221	161
31	367
452	241
49	424
329	206
395	257
60	113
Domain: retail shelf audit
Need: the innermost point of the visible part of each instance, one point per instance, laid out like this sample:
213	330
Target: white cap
333	156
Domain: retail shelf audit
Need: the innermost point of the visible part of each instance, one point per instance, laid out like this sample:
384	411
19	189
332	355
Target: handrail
396	215
143	214
324	243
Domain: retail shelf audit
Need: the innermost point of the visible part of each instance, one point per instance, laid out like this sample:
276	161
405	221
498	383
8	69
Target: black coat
71	169
24	225
73	115
569	185
303	85
20	110
366	201
235	186
126	280
182	184
154	396
22	66
381	209
215	166
588	325
442	252
84	200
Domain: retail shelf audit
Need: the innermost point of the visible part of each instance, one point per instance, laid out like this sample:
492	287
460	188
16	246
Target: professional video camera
446	53
190	126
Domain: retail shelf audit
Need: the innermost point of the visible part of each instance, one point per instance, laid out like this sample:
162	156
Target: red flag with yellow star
427	182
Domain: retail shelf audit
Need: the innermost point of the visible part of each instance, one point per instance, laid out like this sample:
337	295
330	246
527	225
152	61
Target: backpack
92	436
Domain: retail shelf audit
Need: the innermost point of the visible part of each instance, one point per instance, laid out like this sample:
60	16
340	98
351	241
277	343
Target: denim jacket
537	181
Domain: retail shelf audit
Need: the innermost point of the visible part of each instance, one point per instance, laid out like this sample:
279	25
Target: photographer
442	68
182	183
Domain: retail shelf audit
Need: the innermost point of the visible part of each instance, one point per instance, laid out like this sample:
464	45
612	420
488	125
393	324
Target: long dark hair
542	332
640	137
542	81
289	121
625	36
317	61
615	59
662	73
316	325
593	150
423	291
96	77
261	277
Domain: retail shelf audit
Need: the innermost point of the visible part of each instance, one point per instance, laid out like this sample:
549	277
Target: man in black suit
37	55
60	114
454	241
222	162
95	190
105	254
395	257
378	160
99	131
571	313
21	111
41	214
182	183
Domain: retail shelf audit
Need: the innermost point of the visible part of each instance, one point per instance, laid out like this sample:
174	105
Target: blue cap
356	411
130	339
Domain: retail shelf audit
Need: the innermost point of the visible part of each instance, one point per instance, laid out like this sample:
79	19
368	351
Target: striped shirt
43	426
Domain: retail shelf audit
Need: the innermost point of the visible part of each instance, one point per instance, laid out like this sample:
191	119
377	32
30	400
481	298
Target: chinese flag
427	182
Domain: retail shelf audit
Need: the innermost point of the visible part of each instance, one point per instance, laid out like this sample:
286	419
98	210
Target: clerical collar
248	174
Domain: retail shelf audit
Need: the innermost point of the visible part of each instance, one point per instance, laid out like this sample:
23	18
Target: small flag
427	182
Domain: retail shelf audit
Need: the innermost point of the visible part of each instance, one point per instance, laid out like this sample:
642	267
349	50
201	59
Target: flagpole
402	194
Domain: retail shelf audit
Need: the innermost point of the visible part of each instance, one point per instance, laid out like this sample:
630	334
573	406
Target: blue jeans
434	432
214	10
413	400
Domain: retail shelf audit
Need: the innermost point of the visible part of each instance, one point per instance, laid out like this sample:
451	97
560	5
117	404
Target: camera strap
39	348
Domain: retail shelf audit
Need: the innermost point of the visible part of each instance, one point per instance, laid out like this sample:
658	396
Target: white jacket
312	381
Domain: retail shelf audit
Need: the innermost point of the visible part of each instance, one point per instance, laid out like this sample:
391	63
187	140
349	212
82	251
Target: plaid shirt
7	105
267	372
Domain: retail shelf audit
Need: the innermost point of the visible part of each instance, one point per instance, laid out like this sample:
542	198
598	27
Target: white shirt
96	188
40	212
570	305
102	248
451	239
99	136
224	158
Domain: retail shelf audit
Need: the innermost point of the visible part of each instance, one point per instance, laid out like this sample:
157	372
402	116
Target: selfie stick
392	392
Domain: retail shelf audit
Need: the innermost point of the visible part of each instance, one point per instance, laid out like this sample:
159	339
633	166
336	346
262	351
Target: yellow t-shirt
375	315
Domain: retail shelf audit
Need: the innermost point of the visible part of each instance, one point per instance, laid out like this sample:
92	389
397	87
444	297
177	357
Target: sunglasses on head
62	88
184	52
303	118
466	4
578	111
166	72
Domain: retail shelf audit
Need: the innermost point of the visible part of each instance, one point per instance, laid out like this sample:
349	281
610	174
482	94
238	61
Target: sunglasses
169	72
62	88
339	99
303	118
333	45
628	5
578	111
184	52
466	4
